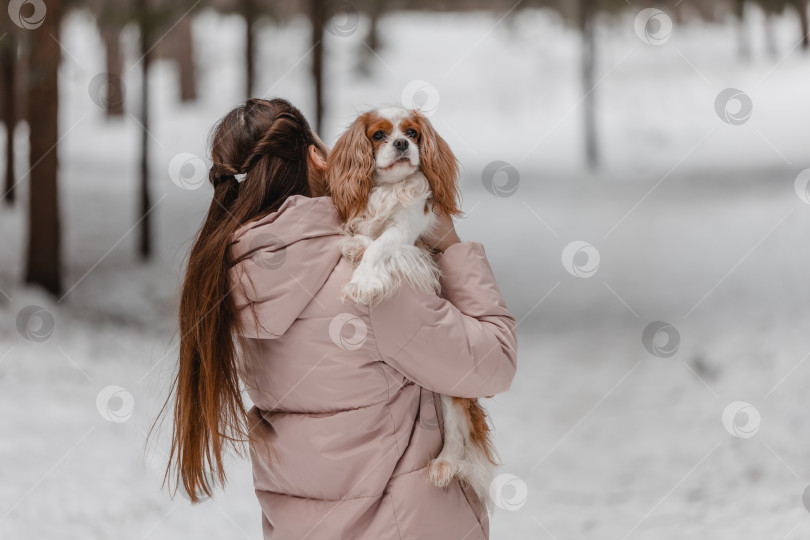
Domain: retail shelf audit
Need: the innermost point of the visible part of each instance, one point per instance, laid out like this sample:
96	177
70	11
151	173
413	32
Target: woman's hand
442	235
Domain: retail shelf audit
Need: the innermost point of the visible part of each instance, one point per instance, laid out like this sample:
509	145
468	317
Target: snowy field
691	221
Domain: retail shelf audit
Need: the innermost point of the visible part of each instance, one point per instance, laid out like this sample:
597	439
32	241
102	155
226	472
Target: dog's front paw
441	471
364	289
353	247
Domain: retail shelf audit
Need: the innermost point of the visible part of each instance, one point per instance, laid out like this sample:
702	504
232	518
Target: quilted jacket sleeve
462	345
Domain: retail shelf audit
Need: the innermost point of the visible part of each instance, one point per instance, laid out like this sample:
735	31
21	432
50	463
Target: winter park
637	172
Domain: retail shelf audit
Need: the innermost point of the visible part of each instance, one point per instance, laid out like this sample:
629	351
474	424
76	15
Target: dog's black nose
401	144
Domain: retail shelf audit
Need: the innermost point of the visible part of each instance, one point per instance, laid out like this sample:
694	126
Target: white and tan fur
389	175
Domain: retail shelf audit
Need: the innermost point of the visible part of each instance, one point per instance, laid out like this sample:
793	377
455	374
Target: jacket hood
281	261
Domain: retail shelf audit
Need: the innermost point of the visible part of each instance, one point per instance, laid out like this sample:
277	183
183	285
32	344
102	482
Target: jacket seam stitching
394	513
388	409
422	468
318	499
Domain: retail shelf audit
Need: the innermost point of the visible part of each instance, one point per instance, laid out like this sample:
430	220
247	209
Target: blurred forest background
637	171
31	60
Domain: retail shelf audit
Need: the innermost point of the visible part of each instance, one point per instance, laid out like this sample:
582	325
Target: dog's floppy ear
349	170
440	167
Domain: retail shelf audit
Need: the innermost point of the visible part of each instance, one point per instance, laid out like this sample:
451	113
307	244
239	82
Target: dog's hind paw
441	471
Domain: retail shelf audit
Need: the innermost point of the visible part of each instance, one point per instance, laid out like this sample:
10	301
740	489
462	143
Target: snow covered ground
690	221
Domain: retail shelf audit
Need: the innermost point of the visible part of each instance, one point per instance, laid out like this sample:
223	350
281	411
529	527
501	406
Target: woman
344	420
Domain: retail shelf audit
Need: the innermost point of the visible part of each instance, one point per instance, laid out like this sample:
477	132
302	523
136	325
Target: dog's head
385	146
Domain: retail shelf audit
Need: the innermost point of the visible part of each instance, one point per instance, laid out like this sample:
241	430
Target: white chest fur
382	239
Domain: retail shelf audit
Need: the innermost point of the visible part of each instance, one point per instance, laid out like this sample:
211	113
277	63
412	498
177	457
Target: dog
389	175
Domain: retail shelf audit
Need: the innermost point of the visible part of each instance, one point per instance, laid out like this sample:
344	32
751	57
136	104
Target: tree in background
771	8
255	13
8	93
743	37
587	28
250	11
183	51
318	17
111	17
801	7
156	19
147	16
43	263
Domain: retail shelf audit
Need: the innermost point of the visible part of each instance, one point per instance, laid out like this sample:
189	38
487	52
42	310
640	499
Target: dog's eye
380	135
411	133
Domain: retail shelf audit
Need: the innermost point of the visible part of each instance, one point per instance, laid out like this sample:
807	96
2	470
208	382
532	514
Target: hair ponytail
267	141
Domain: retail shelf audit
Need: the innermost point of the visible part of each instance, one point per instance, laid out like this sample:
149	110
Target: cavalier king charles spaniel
388	176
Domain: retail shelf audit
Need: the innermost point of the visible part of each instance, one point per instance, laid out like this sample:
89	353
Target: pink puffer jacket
345	419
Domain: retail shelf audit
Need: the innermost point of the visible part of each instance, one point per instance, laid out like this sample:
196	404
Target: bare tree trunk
372	44
8	72
22	73
587	25
801	7
145	230
249	13
318	18
43	264
114	65
743	38
185	57
770	37
373	40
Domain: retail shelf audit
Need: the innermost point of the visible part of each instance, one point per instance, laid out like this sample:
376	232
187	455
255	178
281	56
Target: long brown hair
268	142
